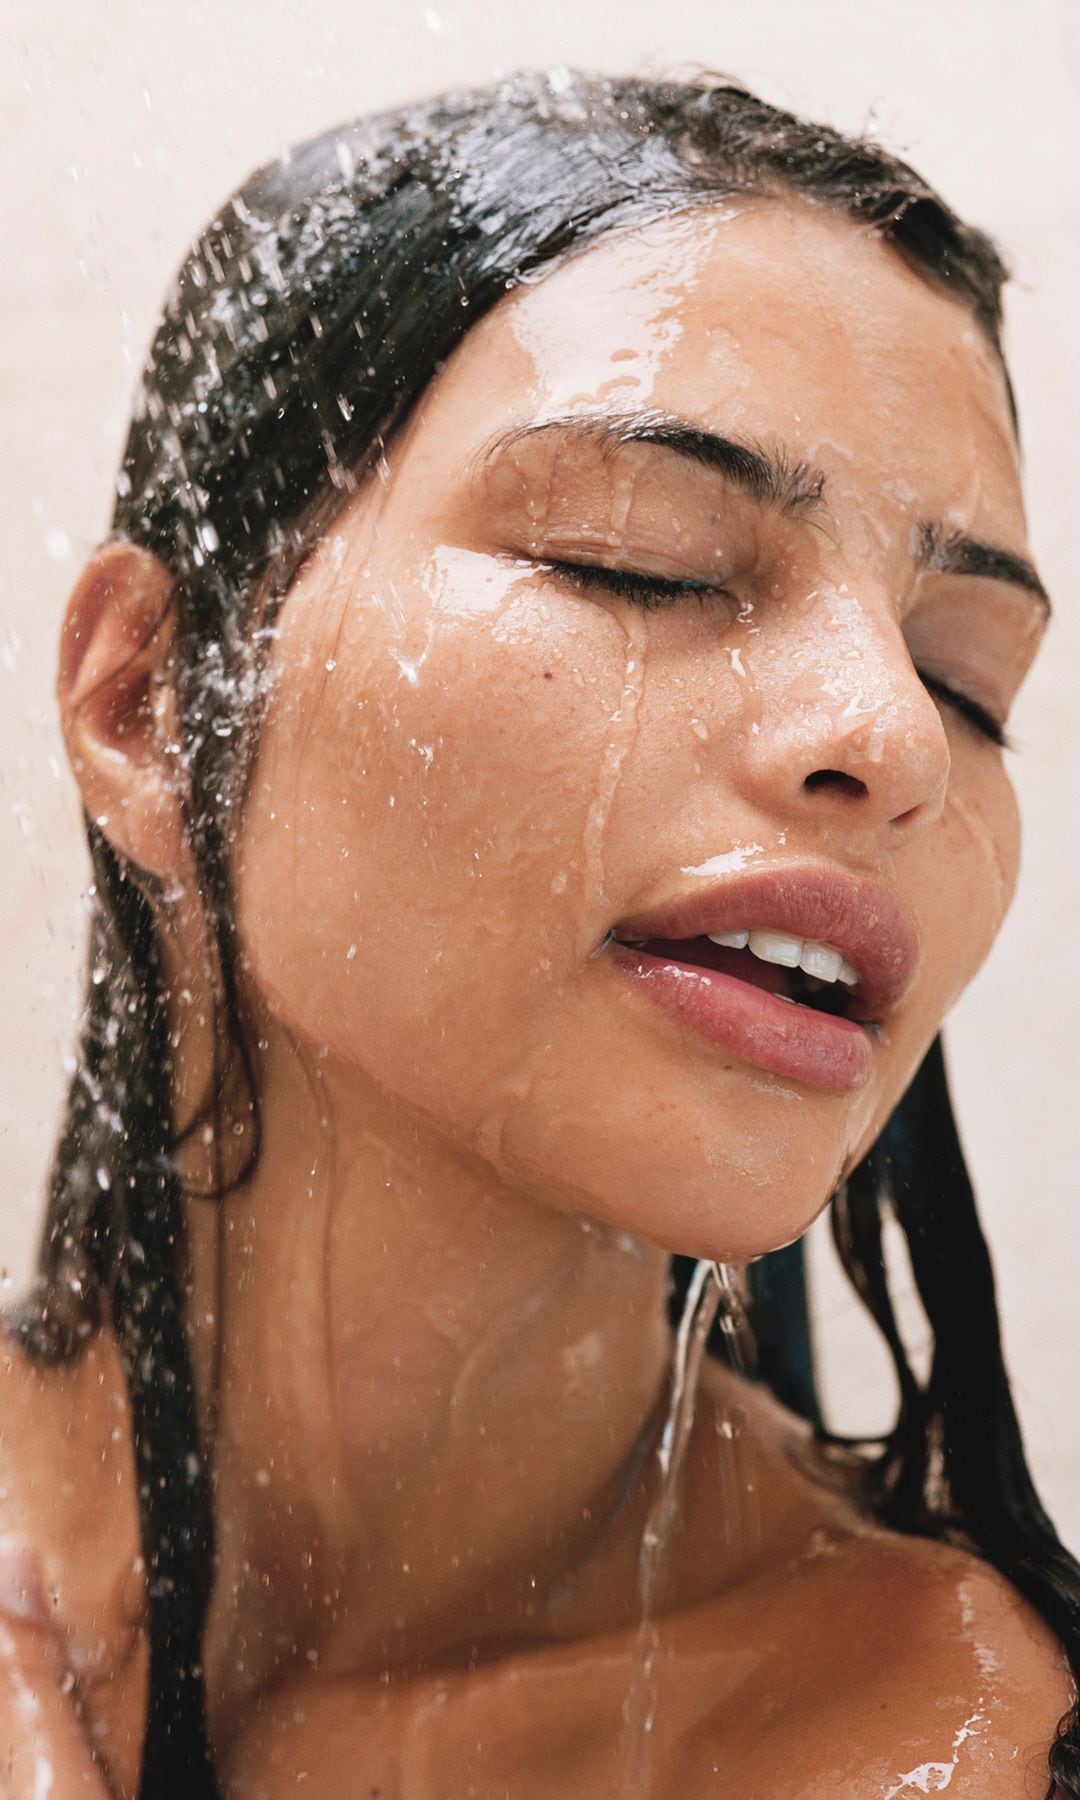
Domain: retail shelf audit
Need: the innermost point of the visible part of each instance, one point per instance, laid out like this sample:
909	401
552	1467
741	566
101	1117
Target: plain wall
123	125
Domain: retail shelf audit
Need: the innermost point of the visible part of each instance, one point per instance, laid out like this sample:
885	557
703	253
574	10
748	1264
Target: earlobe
117	706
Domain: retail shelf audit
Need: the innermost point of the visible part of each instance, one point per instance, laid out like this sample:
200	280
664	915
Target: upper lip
860	918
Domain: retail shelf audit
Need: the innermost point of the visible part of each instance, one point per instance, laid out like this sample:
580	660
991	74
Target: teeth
774	947
820	962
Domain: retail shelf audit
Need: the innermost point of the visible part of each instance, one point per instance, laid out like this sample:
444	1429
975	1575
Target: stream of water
714	1293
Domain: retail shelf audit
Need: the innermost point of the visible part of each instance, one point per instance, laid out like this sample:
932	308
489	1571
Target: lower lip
761	1029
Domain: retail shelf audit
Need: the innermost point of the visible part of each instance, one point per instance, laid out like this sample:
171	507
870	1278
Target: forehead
773	320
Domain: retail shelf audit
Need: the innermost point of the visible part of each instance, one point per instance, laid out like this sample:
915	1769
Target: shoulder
934	1672
64	1436
912	1656
982	1639
67	1484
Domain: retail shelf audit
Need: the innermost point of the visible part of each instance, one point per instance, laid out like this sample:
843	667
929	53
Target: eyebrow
769	476
772	477
953	553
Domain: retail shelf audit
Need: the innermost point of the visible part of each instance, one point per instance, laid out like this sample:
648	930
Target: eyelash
655	591
977	716
649	591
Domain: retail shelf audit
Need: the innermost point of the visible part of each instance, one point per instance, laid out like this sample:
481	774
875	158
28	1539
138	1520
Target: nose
848	734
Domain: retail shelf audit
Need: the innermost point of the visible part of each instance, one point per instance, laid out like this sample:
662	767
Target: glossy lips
859	918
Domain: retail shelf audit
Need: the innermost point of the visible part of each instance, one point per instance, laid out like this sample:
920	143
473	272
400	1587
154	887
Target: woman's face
478	763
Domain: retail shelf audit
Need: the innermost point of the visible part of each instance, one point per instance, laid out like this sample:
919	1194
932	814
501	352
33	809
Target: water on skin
713	1289
617	746
34	1750
650	305
981	831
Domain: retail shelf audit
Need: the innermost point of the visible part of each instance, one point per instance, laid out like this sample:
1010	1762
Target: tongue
742	964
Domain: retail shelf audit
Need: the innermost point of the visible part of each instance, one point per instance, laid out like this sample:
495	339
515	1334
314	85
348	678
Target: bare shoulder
983	1641
989	1611
931	1671
883	1664
65	1442
900	1665
67	1483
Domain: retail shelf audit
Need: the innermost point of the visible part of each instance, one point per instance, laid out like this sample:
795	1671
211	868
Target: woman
539	716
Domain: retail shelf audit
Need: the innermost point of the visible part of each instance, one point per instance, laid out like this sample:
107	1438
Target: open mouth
774	1015
837	997
795	969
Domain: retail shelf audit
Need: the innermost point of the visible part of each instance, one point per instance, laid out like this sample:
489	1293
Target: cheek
960	879
975	861
416	838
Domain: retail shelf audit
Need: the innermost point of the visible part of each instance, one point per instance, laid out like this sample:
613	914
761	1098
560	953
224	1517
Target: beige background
122	125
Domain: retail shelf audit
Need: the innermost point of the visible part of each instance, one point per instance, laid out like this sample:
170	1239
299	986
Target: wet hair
302	327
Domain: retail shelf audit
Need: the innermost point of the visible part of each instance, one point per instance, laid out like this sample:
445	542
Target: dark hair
302	327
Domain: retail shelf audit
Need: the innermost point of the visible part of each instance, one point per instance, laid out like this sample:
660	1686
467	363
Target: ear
117	706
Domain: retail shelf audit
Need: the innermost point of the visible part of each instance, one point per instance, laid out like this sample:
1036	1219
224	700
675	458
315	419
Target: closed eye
649	591
976	715
655	591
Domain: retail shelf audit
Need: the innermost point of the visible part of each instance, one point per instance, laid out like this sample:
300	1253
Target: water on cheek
728	724
986	846
467	757
981	843
730	712
576	896
465	584
619	739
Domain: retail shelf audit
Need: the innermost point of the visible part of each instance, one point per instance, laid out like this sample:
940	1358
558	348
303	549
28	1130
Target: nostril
837	781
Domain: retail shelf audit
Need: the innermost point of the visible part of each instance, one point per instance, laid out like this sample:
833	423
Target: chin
725	1174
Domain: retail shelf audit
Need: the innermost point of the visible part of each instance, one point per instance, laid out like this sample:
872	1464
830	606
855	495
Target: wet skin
443	1339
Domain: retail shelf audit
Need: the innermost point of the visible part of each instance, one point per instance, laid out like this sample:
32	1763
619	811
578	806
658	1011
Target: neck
429	1395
